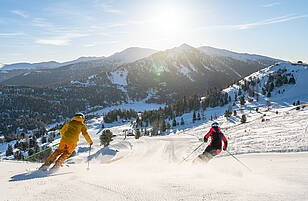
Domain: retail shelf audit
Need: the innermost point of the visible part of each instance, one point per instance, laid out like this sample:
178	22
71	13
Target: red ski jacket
216	137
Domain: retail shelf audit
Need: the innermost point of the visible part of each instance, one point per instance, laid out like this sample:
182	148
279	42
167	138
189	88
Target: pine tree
106	137
18	155
194	117
239	91
163	125
198	116
263	91
50	139
30	152
168	125
244	118
228	113
292	80
271	87
9	150
174	123
43	139
234	113
242	100
16	145
182	121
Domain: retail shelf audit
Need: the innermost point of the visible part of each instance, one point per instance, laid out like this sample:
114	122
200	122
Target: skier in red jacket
214	148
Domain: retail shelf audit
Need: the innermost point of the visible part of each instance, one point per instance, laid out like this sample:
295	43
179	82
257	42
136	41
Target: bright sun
168	21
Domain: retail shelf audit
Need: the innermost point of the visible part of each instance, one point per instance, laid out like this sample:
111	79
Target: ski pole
239	161
193	151
42	151
89	157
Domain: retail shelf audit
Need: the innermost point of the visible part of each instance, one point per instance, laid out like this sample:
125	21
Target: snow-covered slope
49	64
46	65
197	71
284	94
238	56
152	168
131	54
128	55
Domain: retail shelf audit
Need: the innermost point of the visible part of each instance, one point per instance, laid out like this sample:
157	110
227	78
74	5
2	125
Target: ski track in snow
151	168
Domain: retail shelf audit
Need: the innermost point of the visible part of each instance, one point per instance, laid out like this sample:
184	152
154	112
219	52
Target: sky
58	30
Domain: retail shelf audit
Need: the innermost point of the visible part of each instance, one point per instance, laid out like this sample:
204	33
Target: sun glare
168	21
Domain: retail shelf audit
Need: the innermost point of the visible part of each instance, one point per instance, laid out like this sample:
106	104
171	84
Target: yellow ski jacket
71	130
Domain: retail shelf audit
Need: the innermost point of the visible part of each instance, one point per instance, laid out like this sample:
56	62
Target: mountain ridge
55	64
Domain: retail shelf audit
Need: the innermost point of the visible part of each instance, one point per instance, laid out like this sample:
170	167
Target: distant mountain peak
186	46
131	54
133	50
235	55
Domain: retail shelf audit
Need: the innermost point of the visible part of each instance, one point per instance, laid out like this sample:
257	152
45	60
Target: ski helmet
79	115
215	125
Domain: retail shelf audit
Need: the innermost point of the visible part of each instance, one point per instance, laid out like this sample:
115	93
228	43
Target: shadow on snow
34	175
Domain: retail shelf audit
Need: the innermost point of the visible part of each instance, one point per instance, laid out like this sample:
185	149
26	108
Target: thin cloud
11	34
20	13
60	40
90	45
276	20
41	22
271	4
73	35
117	25
56	42
139	22
109	9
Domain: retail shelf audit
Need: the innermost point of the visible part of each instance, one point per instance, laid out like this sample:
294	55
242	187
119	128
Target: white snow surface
119	77
239	56
152	168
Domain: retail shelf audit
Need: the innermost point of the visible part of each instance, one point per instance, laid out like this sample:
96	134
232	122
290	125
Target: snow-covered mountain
52	73
238	56
130	55
46	65
190	62
28	66
125	56
198	71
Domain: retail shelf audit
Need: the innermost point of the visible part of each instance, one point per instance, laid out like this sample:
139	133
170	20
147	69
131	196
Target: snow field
152	168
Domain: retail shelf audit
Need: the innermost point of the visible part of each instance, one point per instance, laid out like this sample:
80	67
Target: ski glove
205	139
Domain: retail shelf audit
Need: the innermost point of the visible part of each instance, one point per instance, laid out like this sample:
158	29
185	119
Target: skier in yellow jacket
69	138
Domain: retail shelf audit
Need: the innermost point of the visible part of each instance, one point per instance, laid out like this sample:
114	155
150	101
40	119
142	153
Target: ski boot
45	167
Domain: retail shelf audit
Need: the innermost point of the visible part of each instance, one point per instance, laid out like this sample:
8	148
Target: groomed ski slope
150	168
